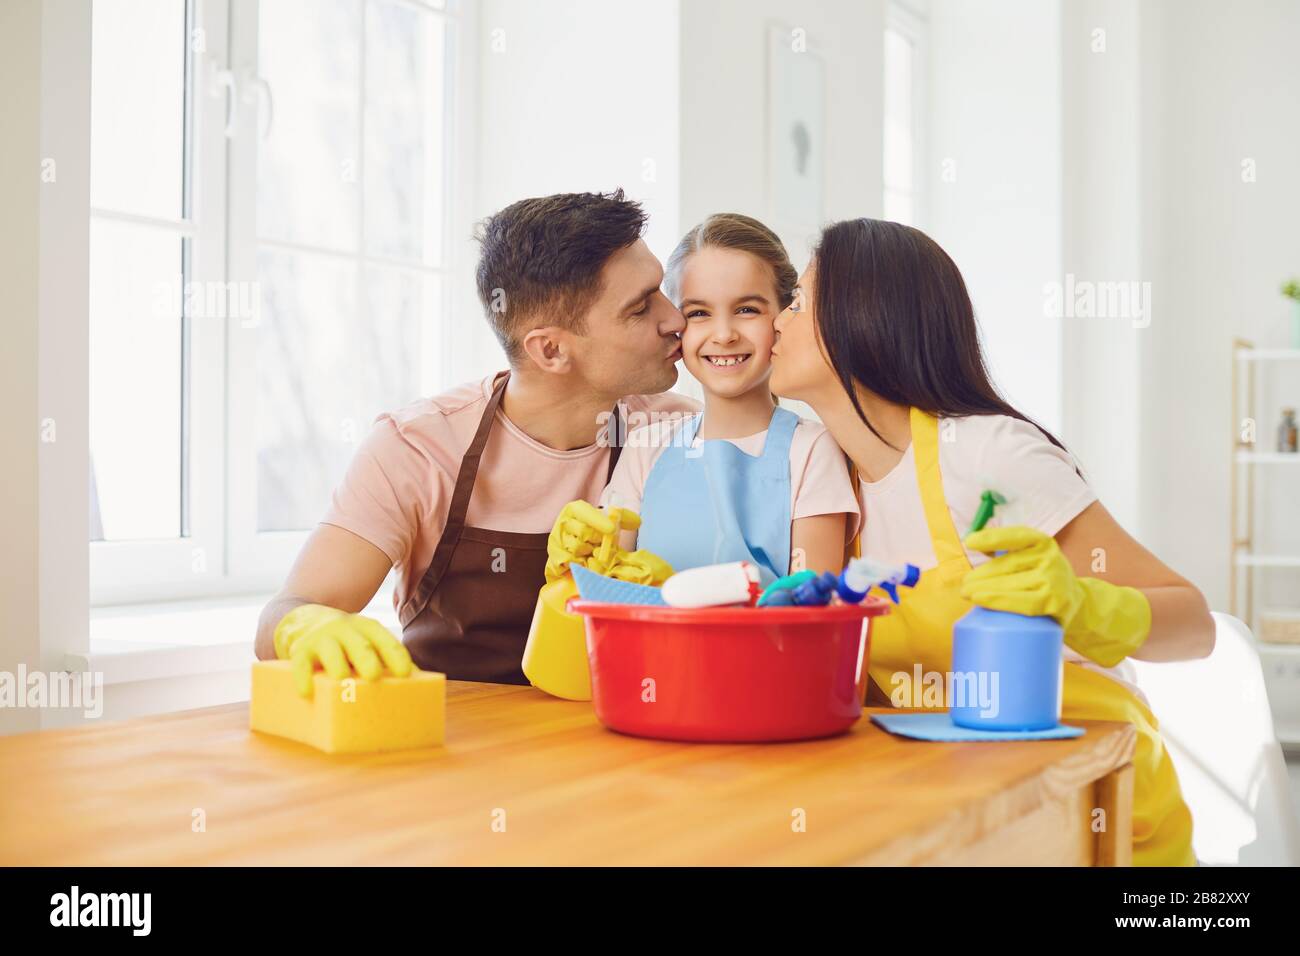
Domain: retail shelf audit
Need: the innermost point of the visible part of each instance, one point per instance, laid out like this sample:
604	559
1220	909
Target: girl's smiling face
729	299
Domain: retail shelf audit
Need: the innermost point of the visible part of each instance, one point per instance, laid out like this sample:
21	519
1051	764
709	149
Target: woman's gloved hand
1103	622
579	530
342	643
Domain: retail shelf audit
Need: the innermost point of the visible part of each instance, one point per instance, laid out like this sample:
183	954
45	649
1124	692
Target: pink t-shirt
398	486
976	453
820	482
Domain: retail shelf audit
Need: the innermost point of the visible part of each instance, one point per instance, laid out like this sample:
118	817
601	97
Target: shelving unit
1280	662
1268	457
1244	559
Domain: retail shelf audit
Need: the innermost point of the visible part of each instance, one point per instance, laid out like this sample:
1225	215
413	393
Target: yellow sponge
352	716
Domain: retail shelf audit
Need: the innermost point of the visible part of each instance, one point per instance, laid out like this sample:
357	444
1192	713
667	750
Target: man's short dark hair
543	257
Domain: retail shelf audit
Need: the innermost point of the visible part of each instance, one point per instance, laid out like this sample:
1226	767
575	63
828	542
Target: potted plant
1292	291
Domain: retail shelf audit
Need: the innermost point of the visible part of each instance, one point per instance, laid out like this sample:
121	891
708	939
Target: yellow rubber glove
641	567
341	642
579	531
1103	622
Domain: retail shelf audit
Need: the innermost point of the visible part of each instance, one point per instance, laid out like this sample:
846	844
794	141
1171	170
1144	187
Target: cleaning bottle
555	654
1007	668
1287	432
714	585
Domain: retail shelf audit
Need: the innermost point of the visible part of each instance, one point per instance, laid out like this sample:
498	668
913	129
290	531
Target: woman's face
800	369
729	302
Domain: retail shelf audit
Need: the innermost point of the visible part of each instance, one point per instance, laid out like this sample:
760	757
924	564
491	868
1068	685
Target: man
458	492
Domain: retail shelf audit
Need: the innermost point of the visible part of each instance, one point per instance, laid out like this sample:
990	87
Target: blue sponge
597	587
939	726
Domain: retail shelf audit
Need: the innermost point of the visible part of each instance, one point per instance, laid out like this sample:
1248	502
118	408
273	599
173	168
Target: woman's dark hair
894	316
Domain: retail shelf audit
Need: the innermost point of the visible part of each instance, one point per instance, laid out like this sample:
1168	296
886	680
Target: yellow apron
919	630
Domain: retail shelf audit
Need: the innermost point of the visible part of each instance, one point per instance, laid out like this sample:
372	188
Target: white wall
44	192
1225	88
63	346
995	125
575	97
724	107
724	65
20	31
1102	238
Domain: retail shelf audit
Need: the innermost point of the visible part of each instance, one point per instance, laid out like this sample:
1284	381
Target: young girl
745	479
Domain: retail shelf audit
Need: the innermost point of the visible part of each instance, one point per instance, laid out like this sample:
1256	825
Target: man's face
631	345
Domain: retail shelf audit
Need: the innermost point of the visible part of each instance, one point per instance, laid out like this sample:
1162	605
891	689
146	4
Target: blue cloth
939	726
715	504
595	587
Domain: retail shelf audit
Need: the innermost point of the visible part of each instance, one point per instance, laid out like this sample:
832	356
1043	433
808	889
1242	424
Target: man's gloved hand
1103	622
580	529
343	643
641	567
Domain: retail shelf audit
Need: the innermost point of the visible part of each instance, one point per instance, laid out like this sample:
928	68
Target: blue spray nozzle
862	574
816	590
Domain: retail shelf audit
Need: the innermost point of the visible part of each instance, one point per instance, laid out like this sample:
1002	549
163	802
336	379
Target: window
269	261
904	129
141	229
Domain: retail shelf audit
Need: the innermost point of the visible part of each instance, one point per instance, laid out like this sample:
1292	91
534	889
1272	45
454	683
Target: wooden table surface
529	779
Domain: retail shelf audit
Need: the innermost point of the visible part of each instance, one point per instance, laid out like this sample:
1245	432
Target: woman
881	341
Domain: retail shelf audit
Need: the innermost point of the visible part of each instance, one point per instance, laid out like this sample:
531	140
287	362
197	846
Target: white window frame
224	553
139	570
911	19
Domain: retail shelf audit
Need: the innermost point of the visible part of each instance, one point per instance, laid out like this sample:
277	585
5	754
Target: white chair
1215	719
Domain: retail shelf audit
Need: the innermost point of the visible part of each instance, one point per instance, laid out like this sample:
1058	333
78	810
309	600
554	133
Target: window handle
224	81
263	93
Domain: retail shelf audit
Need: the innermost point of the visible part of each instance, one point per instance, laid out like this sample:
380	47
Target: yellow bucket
555	657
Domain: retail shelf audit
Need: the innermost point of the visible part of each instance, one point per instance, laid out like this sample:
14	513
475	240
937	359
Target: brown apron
470	614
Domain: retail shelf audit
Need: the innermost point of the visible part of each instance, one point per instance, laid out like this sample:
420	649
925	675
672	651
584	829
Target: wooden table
528	779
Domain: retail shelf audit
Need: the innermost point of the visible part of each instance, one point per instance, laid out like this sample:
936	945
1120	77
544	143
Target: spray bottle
1015	661
808	588
863	574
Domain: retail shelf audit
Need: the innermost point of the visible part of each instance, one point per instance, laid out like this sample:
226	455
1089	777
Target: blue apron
715	503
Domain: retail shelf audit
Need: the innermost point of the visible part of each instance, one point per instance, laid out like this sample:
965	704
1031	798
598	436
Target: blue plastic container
1007	671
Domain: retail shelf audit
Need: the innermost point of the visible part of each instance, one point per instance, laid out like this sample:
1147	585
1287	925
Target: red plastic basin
728	674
